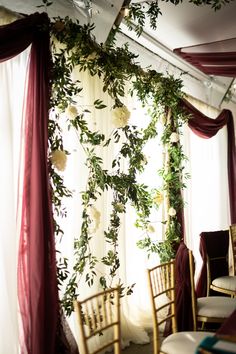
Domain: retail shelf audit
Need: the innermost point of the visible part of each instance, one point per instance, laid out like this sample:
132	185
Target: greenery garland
116	67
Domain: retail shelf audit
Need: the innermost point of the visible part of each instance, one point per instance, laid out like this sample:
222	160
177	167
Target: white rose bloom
144	160
92	56
119	207
95	216
120	116
71	112
59	159
158	198
172	212
174	138
151	228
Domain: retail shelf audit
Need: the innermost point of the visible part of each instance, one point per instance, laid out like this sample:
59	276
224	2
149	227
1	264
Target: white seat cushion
183	342
216	306
226	282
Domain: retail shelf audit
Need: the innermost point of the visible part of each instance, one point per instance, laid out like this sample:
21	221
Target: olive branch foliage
115	66
142	11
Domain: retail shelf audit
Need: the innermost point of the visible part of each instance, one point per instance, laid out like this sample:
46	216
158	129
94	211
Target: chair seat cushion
226	282
183	342
216	306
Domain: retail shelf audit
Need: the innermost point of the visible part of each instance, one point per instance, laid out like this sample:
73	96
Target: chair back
161	279
214	250
99	315
232	234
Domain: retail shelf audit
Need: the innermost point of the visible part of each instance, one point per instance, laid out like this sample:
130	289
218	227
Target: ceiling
188	25
179	26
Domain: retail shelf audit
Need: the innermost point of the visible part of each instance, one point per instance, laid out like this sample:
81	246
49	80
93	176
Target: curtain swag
37	281
214	58
206	128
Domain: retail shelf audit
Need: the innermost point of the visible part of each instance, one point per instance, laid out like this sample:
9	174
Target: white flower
144	160
174	138
120	116
119	207
95	216
71	112
59	159
92	56
158	198
172	212
151	228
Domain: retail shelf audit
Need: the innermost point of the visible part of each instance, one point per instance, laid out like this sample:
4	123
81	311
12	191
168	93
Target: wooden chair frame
161	282
197	318
96	315
232	233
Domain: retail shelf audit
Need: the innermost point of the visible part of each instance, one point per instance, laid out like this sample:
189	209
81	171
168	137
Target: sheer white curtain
136	313
12	76
206	195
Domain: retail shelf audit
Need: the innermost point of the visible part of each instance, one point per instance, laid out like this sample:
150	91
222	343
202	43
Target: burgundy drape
37	282
206	127
183	289
215	58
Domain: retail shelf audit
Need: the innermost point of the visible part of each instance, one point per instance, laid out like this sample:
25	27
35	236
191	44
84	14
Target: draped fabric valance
216	58
206	127
37	281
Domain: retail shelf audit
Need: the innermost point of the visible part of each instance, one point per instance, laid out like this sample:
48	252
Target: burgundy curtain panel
37	282
183	289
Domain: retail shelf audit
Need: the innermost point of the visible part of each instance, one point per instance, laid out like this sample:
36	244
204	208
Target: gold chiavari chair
161	279
99	315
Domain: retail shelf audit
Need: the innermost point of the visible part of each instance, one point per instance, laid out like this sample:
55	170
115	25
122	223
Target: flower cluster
119	207
95	217
172	212
71	112
59	159
151	228
174	138
120	116
158	198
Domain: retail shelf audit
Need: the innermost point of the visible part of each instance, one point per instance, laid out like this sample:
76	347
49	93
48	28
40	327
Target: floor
139	349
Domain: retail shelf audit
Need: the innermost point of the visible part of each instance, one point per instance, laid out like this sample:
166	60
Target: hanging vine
115	66
140	12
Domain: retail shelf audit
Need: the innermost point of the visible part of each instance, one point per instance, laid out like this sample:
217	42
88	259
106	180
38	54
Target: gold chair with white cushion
163	297
211	309
99	315
225	284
